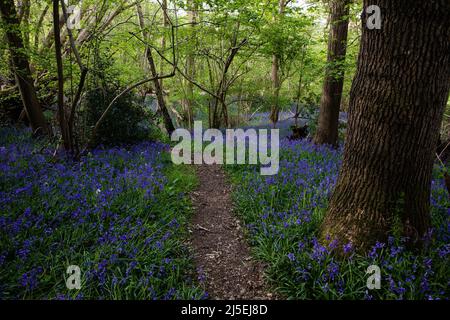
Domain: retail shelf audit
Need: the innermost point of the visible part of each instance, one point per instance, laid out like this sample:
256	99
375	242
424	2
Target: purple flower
301	246
29	279
333	270
373	254
348	248
444	251
395	251
23	253
333	244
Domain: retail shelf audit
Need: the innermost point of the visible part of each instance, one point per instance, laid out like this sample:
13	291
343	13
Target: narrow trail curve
220	249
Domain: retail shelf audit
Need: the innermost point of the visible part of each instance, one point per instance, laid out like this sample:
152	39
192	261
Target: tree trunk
327	131
224	84
39	27
158	90
396	106
49	38
276	83
61	110
163	38
300	84
22	68
275	111
96	27
24	19
188	100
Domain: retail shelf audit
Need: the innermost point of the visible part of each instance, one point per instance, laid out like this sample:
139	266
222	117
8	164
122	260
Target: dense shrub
10	107
127	121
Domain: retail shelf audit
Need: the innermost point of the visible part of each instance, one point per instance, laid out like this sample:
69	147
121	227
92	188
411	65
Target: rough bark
22	68
327	131
396	106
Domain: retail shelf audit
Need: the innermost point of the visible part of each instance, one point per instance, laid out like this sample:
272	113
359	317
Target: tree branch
128	89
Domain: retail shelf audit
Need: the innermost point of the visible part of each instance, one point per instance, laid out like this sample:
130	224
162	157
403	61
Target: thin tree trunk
327	131
24	18
92	28
61	110
83	75
163	38
22	68
49	39
275	110
190	70
224	84
299	93
276	83
158	90
397	102
39	27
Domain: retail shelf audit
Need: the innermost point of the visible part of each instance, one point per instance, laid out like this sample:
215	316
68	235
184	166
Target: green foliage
127	121
115	55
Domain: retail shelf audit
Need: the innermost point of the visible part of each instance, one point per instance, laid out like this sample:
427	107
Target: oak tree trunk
22	67
396	106
327	131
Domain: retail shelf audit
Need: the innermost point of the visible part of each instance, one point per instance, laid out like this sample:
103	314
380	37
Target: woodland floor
221	252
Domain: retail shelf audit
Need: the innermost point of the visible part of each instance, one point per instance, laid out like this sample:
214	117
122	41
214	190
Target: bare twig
177	68
443	150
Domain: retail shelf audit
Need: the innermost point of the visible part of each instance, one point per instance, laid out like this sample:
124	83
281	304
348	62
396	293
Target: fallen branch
202	228
7	90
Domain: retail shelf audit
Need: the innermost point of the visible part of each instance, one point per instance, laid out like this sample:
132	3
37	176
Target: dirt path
220	250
